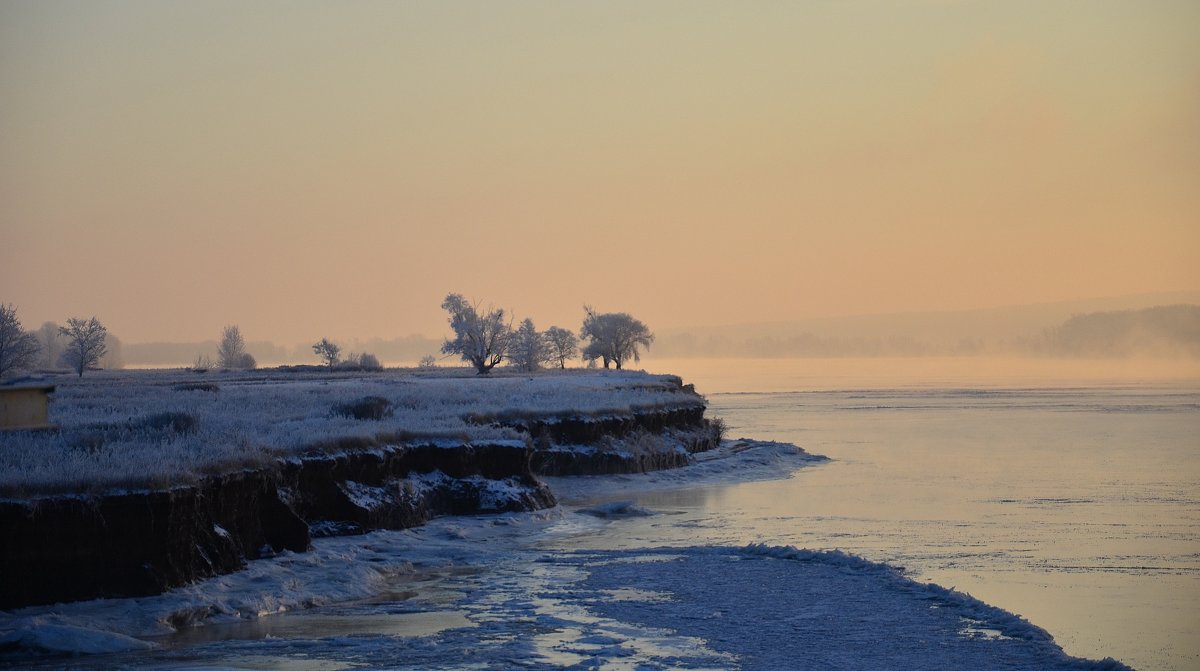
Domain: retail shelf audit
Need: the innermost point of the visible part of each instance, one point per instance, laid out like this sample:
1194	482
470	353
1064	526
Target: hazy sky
306	169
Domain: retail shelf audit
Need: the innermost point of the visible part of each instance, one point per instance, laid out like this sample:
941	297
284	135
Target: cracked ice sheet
754	607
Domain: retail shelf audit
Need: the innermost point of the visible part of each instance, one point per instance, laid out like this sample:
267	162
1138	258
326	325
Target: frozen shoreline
503	588
365	462
153	430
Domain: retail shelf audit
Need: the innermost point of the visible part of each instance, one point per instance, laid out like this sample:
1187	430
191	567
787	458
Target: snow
497	495
106	441
47	636
740	460
365	496
505	591
815	610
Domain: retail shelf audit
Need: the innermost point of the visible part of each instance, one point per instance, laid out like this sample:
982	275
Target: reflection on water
1076	508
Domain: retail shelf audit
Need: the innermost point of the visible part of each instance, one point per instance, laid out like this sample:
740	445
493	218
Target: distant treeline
396	350
805	344
1163	331
1167	330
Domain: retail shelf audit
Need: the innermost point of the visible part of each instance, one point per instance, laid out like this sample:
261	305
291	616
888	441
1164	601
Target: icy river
1071	503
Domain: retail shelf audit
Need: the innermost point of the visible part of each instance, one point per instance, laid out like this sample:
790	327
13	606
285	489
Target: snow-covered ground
158	428
510	591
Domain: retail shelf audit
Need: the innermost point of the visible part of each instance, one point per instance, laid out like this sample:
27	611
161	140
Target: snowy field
159	428
509	591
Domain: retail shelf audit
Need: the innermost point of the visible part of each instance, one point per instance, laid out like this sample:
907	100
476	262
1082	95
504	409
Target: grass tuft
369	407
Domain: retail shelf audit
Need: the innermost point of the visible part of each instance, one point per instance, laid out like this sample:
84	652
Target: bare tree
231	351
427	361
528	350
481	339
327	351
52	344
562	345
85	343
18	349
202	363
613	337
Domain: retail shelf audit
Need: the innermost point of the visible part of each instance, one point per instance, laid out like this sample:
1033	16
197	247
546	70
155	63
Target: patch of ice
525	601
734	461
43	635
781	608
616	509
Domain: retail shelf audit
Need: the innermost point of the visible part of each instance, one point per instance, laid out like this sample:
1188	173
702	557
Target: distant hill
1014	330
1166	330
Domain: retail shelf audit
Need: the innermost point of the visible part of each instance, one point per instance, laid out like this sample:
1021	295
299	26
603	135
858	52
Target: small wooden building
25	406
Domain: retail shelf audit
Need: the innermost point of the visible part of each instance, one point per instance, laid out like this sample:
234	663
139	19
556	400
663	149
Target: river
1065	492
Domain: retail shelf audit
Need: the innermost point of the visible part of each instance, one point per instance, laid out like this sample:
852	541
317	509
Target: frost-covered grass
137	429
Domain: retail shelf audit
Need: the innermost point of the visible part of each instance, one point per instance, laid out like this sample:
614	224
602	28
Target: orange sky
308	169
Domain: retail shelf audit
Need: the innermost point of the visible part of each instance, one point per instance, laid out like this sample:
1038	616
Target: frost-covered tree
18	349
231	351
528	350
427	361
327	351
85	343
562	345
481	339
368	361
613	337
52	344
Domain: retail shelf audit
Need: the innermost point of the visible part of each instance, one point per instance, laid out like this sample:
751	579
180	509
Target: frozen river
1067	492
1074	506
1078	509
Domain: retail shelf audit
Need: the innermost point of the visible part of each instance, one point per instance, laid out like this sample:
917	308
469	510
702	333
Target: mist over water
811	374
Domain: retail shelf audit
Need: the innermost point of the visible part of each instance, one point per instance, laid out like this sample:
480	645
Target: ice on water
495	592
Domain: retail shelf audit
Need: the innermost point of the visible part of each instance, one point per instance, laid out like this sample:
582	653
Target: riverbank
132	430
379	453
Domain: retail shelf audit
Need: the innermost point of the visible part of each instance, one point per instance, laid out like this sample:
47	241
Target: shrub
176	422
368	407
368	361
197	386
201	364
96	437
365	362
718	428
88	441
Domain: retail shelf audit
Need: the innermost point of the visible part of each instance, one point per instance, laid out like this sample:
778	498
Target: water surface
1075	505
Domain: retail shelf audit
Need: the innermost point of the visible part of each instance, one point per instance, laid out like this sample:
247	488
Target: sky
309	169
